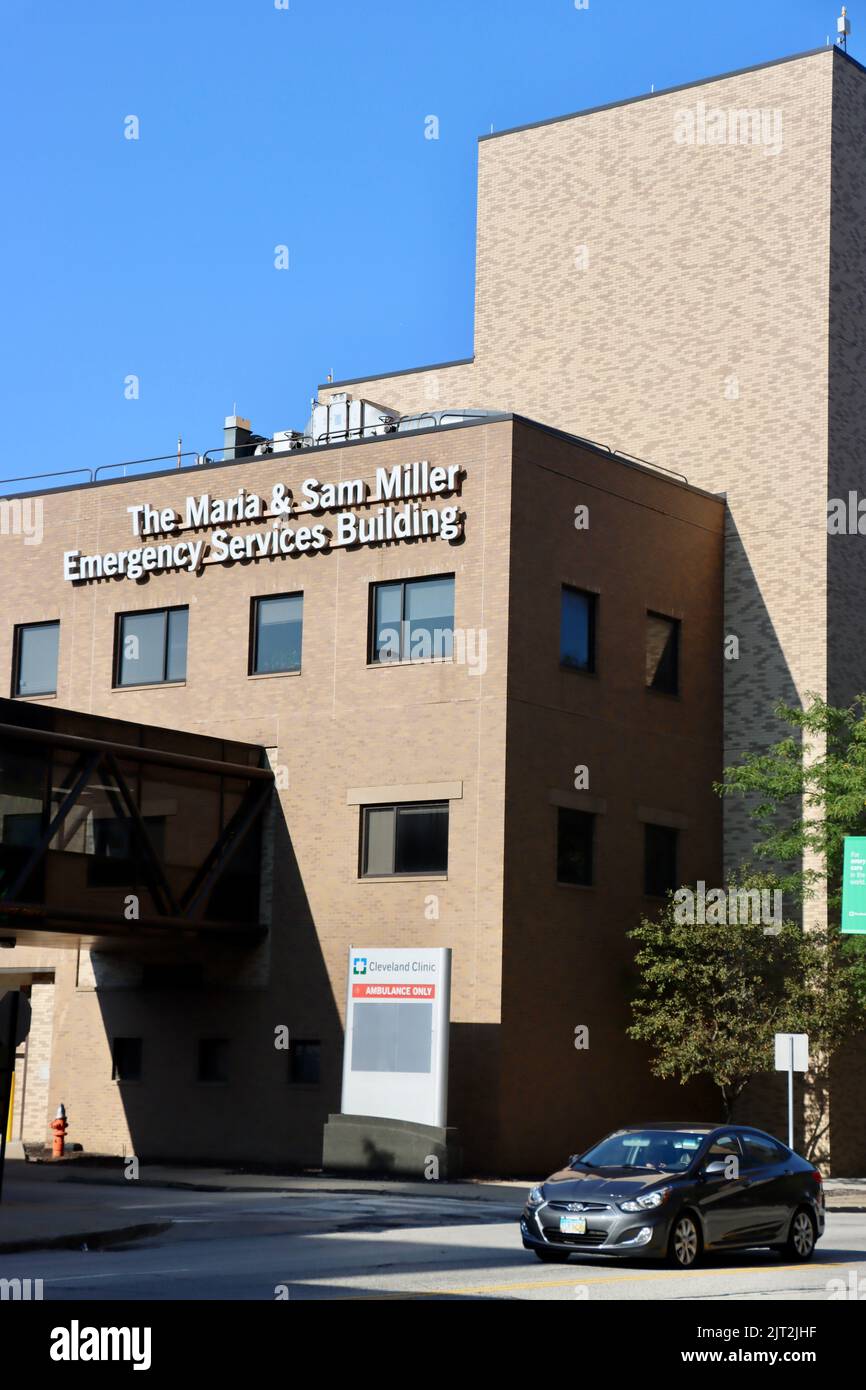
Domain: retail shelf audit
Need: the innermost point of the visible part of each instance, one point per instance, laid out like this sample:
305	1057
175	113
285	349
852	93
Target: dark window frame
674	831
396	807
212	1080
119	618
592	817
127	1080
592	668
253	649
294	1044
677	625
401	660
17	634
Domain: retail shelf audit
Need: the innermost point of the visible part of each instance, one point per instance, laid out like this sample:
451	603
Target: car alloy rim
803	1234
685	1242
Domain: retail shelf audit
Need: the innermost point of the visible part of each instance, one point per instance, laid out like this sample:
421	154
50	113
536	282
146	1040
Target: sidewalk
41	1215
67	1205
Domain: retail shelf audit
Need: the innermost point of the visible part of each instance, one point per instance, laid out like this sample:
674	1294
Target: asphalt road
370	1246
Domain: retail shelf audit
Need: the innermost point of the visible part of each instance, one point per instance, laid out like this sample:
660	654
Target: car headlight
647	1202
535	1196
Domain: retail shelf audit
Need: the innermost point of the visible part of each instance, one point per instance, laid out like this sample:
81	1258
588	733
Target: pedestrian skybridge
114	833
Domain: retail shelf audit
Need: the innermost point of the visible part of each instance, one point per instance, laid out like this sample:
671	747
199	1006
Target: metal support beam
158	884
69	800
195	898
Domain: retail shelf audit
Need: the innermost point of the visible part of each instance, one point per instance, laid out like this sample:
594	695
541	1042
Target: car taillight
816	1175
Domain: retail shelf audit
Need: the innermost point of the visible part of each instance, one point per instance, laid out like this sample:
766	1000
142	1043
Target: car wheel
801	1237
553	1257
685	1243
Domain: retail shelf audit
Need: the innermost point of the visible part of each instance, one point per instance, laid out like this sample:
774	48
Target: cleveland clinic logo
359	965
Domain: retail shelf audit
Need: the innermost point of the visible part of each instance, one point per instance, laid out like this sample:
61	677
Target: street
373	1245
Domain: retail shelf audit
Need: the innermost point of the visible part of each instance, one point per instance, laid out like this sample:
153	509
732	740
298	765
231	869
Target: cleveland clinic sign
395	496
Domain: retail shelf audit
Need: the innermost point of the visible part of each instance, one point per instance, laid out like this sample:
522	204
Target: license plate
572	1225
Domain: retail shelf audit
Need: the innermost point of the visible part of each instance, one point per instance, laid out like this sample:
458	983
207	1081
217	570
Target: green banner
854	885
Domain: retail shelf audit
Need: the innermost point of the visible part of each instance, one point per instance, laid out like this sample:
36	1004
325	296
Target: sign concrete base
390	1148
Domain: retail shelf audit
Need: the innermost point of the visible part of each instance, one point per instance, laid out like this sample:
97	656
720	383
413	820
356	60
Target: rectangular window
404	840
575	832
412	620
115	855
660	860
126	1059
278	624
35	659
305	1059
577	630
213	1059
662	653
151	647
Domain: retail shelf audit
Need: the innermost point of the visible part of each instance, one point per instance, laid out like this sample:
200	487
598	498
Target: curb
96	1240
428	1190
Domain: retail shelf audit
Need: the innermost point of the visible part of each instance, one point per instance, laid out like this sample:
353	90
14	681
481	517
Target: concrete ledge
399	1148
94	1240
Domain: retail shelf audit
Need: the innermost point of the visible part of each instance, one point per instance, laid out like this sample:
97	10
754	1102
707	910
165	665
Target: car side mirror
714	1169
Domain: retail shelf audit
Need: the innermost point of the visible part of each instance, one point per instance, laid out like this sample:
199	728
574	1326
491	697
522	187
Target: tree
711	996
808	793
712	993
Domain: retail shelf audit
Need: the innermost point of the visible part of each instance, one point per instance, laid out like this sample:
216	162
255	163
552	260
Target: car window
761	1151
723	1146
670	1150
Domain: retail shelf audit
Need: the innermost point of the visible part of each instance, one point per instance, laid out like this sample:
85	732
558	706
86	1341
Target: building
678	276
425	779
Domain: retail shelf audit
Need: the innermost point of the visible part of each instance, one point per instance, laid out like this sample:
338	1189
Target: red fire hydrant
59	1125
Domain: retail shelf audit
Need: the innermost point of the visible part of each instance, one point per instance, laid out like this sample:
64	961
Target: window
660	862
404	840
126	1059
577	630
35	659
305	1060
574	839
151	647
412	620
662	653
277	630
116	858
724	1146
761	1151
213	1059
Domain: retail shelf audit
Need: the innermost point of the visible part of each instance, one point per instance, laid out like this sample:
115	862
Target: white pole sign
792	1054
395	1064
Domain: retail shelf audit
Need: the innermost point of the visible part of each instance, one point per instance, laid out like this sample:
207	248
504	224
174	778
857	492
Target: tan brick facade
343	724
700	305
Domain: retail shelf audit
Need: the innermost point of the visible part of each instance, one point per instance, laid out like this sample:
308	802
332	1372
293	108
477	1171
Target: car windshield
665	1150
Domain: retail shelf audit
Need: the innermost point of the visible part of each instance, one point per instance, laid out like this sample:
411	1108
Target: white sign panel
398	1005
784	1053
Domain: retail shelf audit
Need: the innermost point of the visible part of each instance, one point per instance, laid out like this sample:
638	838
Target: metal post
4	1087
791	1095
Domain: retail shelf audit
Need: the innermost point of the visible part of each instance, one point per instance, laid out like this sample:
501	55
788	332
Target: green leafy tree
711	996
807	794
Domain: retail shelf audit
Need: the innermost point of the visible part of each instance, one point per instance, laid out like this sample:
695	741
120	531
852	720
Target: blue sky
260	127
